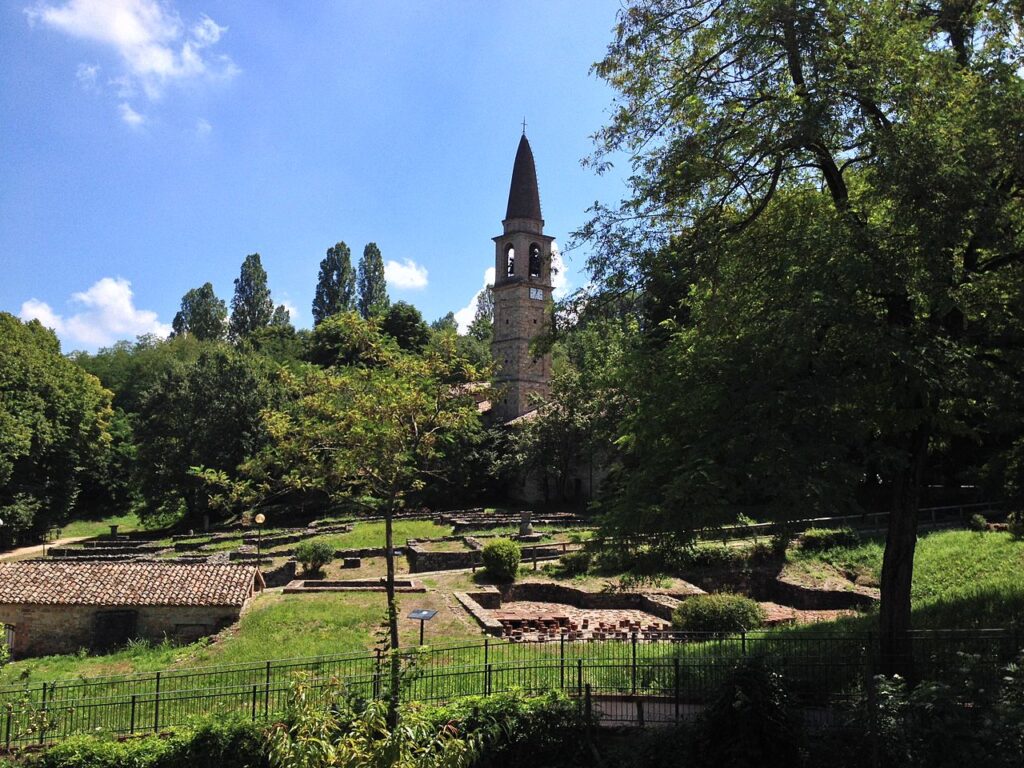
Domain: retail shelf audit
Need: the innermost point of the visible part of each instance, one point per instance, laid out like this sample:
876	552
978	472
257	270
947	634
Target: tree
373	290
251	307
896	125
445	324
202	315
54	430
482	327
207	413
404	323
369	436
336	284
281	318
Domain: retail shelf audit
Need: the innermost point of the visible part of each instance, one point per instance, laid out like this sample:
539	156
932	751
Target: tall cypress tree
336	285
251	307
373	289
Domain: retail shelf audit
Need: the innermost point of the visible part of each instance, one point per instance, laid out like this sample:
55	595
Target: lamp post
260	520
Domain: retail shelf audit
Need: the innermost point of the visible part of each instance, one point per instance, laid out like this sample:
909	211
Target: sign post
423	615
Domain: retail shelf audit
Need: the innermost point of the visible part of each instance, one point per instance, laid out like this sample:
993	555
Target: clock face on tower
537	293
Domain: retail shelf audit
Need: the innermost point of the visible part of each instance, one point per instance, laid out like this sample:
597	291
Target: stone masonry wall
41	630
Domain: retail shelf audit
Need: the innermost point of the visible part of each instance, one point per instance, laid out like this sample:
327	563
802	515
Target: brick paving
526	620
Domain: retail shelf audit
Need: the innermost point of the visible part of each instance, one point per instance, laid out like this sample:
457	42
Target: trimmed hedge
722	612
575	563
501	559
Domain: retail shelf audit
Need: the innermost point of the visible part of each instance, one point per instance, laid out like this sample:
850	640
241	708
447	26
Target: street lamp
260	520
423	615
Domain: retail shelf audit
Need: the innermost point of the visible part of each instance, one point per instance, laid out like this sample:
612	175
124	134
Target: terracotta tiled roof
59	583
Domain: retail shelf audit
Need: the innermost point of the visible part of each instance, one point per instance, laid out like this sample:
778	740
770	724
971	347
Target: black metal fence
649	677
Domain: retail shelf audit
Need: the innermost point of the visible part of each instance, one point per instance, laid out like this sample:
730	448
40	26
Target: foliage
335	285
54	430
313	555
823	238
372	287
501	559
251	306
345	338
975	720
445	324
819	539
519	730
217	743
204	414
1015	524
326	729
978	523
575	563
404	323
720	612
202	315
750	724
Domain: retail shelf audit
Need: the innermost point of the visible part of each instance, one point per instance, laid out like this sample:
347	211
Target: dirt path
21	553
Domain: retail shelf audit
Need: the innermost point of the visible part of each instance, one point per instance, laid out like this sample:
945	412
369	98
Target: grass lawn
962	579
126	523
370	535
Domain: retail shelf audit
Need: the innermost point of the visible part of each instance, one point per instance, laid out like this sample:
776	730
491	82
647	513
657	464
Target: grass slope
962	579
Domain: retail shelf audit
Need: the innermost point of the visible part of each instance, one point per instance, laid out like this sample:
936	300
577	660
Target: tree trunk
896	652
389	586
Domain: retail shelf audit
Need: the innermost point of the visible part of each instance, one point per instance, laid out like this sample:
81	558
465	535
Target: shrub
713	556
978	523
750	724
820	539
721	612
1015	524
313	555
501	559
575	563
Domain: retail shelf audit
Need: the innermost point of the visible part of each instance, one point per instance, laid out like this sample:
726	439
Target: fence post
266	694
376	675
579	677
561	661
156	706
7	739
588	705
255	690
633	673
487	680
131	728
743	640
42	724
675	670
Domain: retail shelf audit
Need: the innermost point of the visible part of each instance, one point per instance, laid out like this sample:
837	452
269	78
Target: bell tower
522	294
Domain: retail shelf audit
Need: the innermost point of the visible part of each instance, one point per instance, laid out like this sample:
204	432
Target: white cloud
130	116
559	274
464	317
107	312
203	127
407	274
148	36
86	75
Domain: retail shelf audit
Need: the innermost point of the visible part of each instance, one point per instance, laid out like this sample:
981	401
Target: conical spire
523	196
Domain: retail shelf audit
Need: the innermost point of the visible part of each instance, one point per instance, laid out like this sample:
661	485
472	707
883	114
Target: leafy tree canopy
373	290
336	284
251	307
202	315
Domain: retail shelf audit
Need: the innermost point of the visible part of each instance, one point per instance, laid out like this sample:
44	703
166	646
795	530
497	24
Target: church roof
523	195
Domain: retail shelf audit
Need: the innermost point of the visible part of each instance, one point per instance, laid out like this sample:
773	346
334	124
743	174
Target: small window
9	636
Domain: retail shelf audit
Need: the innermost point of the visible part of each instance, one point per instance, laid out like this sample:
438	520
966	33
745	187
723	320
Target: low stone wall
283	574
477	611
767	585
422	560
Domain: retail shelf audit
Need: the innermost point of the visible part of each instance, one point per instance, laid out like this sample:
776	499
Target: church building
522	296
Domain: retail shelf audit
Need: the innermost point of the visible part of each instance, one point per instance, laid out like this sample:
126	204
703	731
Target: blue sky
148	146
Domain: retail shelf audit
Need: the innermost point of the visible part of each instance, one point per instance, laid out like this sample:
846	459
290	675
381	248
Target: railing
658	675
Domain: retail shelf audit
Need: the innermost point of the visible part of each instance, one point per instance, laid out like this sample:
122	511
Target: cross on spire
524	126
